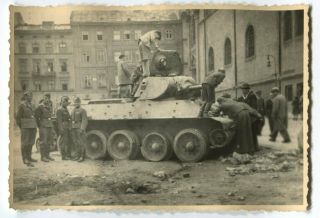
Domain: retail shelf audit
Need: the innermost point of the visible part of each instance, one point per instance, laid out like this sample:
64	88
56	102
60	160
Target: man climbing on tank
148	44
208	91
136	78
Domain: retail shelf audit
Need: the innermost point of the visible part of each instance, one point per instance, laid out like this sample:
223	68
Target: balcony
43	75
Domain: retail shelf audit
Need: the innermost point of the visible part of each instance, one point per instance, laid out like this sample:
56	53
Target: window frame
250	42
287	26
83	34
116	37
227	52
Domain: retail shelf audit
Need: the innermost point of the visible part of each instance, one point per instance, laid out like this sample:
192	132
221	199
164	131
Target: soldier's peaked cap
64	99
77	100
275	89
245	86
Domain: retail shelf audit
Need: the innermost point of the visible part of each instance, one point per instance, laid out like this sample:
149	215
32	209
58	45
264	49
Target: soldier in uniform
78	132
28	127
43	117
148	44
64	124
48	97
208	91
123	78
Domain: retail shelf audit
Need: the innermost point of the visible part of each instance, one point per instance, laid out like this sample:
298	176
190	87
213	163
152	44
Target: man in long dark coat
279	116
244	116
28	127
43	117
248	96
64	126
269	112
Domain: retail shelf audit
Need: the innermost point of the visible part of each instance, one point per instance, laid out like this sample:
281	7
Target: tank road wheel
96	145
190	145
123	145
155	147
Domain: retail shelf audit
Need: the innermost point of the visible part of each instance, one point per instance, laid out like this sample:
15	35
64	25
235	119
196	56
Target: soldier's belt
28	123
46	123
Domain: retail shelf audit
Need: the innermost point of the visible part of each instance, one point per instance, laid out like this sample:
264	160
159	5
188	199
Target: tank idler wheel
123	145
190	145
155	147
96	144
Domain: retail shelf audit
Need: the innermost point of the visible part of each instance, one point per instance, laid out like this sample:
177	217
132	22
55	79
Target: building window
88	81
137	34
49	47
128	56
63	65
299	23
35	48
127	35
62	47
37	86
287	26
116	56
23	65
210	59
85	36
99	36
64	86
36	66
51	85
22	48
116	35
227	52
102	81
49	66
24	85
169	34
288	92
85	57
100	55
249	41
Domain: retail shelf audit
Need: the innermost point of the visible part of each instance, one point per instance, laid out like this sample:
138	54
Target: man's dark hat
121	56
47	94
245	86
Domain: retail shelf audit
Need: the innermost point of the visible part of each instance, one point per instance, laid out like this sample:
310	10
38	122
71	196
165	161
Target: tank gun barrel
195	87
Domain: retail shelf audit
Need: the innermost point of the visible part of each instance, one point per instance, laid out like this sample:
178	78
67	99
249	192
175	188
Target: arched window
249	41
210	59
298	22
227	51
287	26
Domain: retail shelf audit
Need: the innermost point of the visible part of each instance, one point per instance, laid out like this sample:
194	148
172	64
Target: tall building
262	48
43	60
99	37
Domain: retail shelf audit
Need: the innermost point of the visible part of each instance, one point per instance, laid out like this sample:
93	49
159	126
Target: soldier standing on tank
148	44
208	91
79	124
64	124
28	128
123	78
43	117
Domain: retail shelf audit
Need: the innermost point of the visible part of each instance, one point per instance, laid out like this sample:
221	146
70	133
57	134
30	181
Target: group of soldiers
247	111
71	128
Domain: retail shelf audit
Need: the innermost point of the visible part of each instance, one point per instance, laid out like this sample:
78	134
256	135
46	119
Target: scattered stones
130	191
160	174
231	194
274	177
144	201
186	175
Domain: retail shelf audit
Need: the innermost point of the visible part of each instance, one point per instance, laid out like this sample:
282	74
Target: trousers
46	140
79	140
28	137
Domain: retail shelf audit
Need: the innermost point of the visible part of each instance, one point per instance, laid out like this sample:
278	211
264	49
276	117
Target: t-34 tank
159	120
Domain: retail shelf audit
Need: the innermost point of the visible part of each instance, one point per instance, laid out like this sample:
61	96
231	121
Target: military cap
47	95
221	70
121	56
275	89
226	95
77	100
64	99
245	86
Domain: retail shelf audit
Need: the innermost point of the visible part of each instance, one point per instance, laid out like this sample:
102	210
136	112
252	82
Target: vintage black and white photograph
159	106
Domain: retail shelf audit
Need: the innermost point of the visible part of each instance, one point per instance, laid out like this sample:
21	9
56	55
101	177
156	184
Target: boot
50	158
201	110
32	160
207	108
44	159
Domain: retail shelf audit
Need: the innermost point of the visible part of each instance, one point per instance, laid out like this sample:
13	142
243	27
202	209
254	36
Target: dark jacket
43	116
25	116
123	73
250	99
261	106
63	120
79	118
268	107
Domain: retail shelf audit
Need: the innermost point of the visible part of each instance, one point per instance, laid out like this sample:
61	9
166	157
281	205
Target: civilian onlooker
279	116
269	112
261	110
295	107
